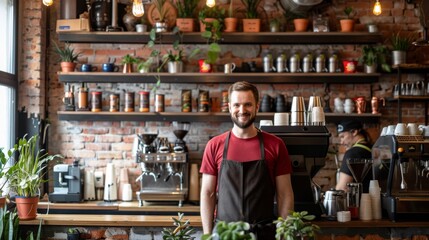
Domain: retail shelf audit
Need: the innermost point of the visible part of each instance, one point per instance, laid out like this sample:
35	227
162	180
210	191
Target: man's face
243	108
346	138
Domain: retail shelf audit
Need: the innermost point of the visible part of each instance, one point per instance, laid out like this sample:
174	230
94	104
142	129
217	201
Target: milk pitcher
360	104
375	104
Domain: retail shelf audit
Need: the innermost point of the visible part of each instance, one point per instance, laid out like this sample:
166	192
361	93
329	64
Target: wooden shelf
227	38
189	117
409	98
412	68
305	78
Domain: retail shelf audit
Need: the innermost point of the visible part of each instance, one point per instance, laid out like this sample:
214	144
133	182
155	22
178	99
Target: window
8	79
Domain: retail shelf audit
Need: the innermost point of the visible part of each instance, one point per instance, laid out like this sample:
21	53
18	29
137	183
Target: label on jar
129	102
144	101
203	101
159	103
96	101
186	100
224	104
114	102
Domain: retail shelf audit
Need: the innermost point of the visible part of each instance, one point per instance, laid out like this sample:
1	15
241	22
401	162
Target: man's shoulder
218	138
271	137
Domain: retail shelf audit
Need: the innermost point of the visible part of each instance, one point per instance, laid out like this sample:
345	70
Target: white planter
370	68
399	57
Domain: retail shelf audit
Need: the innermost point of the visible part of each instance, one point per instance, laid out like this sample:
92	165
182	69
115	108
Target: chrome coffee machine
164	177
307	147
68	185
401	166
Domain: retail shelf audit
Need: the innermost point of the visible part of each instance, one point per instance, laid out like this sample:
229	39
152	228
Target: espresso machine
68	186
307	147
164	177
401	166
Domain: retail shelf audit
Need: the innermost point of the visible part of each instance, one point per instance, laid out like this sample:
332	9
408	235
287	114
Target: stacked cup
281	119
365	209
314	101
317	117
374	192
349	106
297	111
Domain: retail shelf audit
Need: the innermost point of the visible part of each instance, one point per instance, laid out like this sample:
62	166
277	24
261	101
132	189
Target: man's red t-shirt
244	150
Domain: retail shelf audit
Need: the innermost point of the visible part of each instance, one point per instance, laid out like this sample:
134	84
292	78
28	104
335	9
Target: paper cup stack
298	111
374	192
365	208
281	119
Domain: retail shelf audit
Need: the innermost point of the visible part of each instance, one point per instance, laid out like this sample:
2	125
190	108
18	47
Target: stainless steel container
333	63
294	63
281	63
267	62
320	63
307	63
333	202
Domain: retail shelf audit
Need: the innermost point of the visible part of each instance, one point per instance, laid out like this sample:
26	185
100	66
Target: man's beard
245	124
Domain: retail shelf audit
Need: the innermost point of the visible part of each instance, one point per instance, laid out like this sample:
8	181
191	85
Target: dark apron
246	193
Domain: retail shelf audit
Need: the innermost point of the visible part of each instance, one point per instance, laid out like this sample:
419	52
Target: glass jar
95	101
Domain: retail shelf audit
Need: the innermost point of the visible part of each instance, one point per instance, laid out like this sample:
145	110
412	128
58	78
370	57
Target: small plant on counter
296	226
68	57
182	231
402	42
231	230
375	55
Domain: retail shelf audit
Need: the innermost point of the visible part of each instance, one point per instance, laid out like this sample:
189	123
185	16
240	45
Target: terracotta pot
68	66
301	24
185	24
230	24
27	207
203	25
251	25
347	25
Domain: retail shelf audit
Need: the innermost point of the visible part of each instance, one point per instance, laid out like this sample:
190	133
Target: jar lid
144	92
96	93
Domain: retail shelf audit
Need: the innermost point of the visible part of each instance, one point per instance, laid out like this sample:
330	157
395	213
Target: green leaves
231	231
67	53
182	231
294	226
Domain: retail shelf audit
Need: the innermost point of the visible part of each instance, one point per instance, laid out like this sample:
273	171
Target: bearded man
245	171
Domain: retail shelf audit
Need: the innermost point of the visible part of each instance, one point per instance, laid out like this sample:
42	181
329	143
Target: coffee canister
224	104
144	101
186	100
82	102
114	102
203	101
159	103
129	102
95	101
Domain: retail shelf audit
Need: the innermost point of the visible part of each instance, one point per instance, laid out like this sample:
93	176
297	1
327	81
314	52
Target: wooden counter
115	208
161	221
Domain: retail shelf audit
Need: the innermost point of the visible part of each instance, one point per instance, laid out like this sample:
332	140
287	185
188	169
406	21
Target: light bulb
48	2
138	8
377	8
211	3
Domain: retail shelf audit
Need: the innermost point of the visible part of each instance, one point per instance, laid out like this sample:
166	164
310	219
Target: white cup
127	192
265	123
413	129
229	67
383	131
391	130
424	129
317	116
401	129
349	108
373	184
281	119
365	208
141	28
339	109
349	102
338	102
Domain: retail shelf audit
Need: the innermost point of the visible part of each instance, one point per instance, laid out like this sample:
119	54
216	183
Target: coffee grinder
359	169
180	129
146	140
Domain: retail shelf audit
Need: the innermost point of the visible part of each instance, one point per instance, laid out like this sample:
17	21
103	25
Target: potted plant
5	169
374	56
347	24
160	23
73	234
231	21
27	175
185	15
401	43
208	15
231	230
296	226
251	22
183	230
300	21
128	62
68	57
9	226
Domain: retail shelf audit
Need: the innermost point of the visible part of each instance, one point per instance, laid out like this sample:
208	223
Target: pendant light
48	2
377	8
138	8
211	3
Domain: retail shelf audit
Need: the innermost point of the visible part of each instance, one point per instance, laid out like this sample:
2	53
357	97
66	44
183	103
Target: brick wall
95	144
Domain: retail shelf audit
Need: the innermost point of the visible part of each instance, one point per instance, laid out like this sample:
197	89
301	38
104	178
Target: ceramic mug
109	67
88	68
413	129
229	67
401	129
